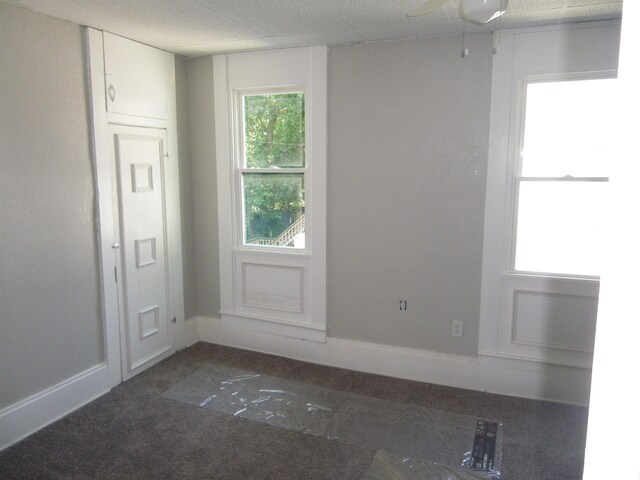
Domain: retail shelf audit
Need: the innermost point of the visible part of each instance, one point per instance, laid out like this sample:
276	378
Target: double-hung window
566	139
273	167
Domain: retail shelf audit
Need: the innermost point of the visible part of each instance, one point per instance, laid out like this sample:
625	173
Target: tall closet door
146	335
133	100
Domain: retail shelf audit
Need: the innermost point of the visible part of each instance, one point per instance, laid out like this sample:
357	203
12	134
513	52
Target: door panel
146	333
136	78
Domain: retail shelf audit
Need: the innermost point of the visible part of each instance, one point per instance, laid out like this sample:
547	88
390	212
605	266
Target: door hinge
115	274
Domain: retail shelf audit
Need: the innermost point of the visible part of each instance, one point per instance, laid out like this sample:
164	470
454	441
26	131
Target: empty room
319	239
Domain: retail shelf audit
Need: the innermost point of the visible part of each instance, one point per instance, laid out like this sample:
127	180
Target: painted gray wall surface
205	196
408	141
186	198
50	321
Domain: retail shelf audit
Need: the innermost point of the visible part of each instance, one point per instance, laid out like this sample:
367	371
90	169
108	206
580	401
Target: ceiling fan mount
478	12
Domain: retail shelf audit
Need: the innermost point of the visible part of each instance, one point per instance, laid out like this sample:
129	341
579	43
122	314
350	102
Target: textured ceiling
199	27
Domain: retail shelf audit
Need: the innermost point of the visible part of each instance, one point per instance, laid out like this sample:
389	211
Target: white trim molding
279	290
102	49
555	323
27	416
514	377
191	335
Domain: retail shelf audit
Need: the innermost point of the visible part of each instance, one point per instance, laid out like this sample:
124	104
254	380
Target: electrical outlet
457	328
403	305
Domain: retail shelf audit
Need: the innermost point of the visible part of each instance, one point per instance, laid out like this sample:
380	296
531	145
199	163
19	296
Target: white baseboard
191	334
21	419
519	378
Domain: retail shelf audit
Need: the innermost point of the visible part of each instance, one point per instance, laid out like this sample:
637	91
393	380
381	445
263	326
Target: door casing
106	190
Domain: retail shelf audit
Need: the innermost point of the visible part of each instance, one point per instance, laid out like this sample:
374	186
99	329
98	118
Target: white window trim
310	322
240	169
500	283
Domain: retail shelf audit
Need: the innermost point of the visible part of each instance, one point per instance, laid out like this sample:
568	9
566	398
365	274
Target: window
271	149
563	173
273	168
551	141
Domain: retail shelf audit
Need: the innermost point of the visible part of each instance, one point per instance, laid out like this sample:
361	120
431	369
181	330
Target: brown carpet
134	433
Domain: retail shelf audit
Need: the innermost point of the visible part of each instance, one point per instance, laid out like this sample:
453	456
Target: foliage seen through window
274	139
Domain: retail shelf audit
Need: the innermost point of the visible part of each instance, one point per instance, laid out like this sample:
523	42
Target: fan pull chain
497	46
465	48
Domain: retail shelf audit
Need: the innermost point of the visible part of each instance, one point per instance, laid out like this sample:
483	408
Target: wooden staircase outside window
285	239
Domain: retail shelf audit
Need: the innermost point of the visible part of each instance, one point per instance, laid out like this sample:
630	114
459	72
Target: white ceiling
199	27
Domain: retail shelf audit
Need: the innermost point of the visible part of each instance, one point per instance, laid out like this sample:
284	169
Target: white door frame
106	194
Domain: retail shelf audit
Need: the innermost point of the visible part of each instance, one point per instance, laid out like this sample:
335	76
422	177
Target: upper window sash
239	131
538	158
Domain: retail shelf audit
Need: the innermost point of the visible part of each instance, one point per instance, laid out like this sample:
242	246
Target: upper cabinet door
138	78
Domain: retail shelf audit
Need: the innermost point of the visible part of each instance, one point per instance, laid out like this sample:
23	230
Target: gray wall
204	185
50	326
408	140
186	198
408	130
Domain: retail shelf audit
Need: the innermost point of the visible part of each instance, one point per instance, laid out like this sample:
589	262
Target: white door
146	333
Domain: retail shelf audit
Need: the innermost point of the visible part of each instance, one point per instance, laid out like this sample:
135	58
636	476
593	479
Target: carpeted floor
134	433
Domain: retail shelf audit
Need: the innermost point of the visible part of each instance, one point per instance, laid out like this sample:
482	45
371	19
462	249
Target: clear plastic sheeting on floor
393	466
445	440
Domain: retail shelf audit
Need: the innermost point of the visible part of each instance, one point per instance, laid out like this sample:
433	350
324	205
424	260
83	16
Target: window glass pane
568	128
274	130
274	209
560	227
